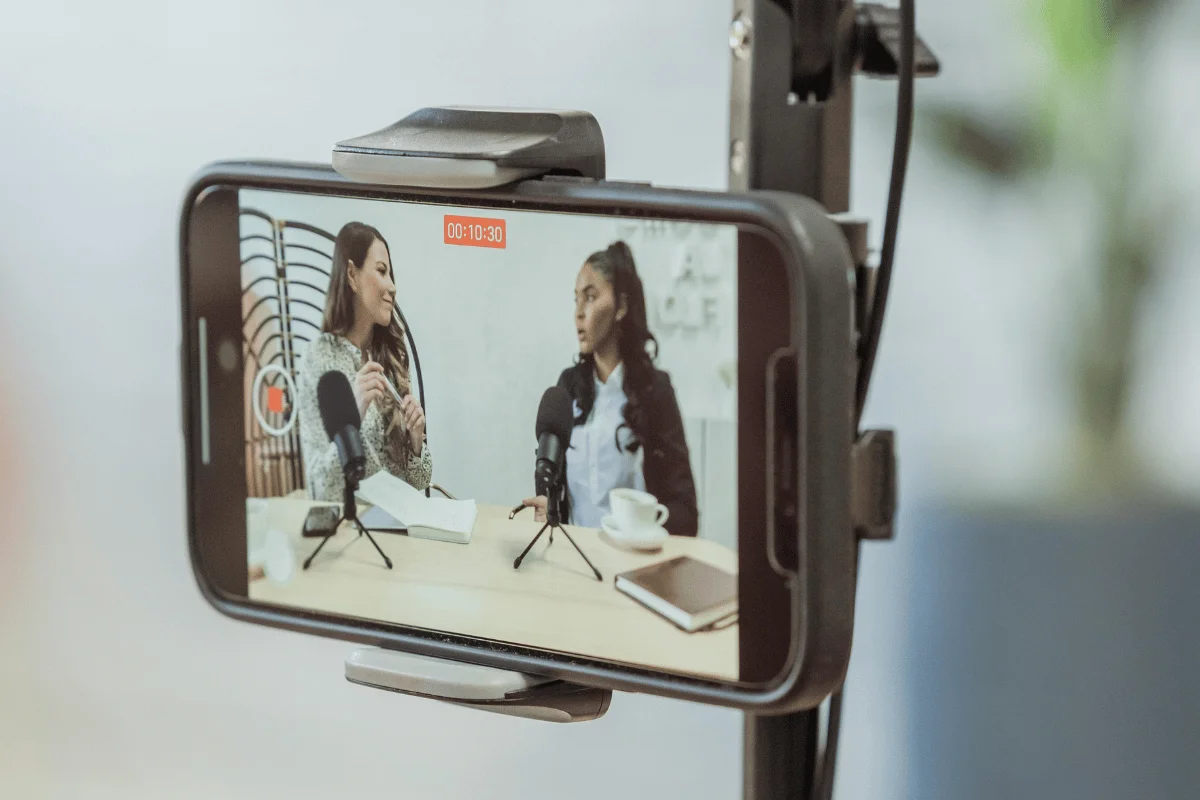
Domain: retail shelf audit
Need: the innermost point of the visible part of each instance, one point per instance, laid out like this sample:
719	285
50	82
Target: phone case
810	403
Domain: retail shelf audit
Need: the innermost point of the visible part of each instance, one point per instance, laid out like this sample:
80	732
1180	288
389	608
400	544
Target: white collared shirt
595	465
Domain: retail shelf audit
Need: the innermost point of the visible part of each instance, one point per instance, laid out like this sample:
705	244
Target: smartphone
321	521
705	341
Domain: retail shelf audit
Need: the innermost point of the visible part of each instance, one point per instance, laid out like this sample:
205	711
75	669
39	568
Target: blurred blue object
1054	654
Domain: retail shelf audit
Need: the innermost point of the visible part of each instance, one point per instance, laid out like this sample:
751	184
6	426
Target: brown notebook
689	593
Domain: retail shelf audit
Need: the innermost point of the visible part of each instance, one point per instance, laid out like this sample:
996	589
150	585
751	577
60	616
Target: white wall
494	327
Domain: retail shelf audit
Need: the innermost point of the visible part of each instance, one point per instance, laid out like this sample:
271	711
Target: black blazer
665	466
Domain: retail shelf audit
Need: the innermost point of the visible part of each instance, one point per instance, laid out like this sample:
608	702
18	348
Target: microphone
553	428
554	424
339	413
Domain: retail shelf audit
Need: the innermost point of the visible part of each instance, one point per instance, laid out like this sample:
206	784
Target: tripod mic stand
349	514
553	522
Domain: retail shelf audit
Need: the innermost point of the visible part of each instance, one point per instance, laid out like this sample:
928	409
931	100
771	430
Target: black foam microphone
339	413
554	423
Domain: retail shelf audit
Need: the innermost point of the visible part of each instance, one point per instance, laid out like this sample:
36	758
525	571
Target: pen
516	511
395	394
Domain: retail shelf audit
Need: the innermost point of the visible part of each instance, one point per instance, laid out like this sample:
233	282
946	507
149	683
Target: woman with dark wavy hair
628	430
363	339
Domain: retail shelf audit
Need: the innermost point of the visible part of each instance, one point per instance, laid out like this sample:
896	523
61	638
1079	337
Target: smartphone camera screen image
546	417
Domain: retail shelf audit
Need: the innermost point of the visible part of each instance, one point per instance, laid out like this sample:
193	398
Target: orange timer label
474	231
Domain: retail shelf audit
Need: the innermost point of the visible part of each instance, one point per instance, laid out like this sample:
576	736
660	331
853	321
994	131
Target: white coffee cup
279	562
256	525
635	511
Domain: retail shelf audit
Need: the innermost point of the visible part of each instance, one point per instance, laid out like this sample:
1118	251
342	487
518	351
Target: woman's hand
539	507
368	386
414	422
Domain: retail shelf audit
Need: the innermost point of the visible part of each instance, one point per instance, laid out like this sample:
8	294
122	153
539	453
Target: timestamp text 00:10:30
474	231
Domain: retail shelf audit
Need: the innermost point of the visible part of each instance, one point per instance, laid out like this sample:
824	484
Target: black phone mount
789	130
791	102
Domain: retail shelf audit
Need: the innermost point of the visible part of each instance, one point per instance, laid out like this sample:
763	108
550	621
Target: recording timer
474	231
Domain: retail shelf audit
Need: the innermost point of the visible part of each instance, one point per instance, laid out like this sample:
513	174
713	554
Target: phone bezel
820	274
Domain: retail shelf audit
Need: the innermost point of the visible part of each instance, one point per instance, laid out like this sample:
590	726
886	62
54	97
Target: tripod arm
349	514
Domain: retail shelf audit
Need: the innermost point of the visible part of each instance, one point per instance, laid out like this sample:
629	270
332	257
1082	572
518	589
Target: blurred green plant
1079	131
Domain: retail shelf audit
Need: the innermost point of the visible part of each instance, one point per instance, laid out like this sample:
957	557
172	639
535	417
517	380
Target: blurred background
1031	631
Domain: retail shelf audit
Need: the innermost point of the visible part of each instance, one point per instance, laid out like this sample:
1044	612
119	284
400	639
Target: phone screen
450	324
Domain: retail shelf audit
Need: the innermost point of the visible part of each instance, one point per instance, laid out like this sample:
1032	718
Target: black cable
823	777
906	74
824	790
904	120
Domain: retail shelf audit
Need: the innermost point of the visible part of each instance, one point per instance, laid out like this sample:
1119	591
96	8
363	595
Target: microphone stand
349	514
553	522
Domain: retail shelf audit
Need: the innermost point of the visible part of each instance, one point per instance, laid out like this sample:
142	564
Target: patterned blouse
322	469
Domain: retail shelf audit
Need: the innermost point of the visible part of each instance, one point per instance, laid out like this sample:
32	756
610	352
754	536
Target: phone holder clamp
459	148
474	686
873	484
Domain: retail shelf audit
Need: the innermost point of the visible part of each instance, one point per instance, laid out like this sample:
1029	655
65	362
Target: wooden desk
553	602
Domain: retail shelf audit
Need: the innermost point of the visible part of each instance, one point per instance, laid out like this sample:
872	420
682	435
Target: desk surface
553	602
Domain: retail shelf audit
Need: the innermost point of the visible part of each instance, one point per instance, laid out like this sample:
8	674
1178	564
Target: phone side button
783	468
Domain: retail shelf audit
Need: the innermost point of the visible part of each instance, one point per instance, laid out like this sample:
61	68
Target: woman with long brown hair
362	338
628	428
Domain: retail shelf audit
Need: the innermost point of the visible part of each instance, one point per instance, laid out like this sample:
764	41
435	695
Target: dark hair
636	345
388	347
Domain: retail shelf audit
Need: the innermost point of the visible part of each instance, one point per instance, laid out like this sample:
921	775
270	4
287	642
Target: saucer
649	538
